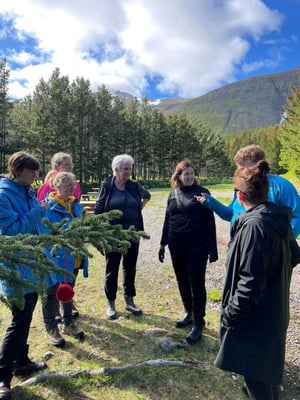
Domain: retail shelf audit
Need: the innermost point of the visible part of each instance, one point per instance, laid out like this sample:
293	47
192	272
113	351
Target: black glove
161	254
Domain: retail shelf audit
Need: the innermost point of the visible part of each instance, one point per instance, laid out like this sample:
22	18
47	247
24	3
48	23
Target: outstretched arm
224	212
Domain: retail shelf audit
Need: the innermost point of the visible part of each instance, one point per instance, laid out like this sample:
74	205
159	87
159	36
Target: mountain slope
247	104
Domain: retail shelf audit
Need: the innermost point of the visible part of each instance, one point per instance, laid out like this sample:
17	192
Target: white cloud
192	46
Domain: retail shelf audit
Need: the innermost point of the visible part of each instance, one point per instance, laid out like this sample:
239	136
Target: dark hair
19	161
253	181
181	166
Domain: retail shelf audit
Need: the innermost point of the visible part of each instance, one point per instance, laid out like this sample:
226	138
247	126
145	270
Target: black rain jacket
255	303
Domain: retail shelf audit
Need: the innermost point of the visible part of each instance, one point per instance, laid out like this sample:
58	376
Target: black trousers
49	309
14	349
113	261
261	391
189	260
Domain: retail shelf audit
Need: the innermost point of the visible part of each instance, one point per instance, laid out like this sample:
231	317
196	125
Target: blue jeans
14	349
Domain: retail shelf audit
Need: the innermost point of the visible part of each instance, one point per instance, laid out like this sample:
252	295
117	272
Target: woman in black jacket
118	192
255	304
189	231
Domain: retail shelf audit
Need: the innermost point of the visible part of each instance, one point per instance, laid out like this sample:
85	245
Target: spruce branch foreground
99	231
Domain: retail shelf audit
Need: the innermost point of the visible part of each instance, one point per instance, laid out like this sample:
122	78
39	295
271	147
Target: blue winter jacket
20	212
281	192
62	257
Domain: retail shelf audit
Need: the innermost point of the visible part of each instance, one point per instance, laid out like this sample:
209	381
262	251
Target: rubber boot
130	306
195	334
111	310
185	321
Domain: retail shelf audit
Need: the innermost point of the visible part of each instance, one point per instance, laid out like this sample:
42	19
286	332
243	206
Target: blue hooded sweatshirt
20	212
281	192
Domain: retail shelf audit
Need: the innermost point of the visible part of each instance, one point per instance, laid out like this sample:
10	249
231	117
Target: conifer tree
290	133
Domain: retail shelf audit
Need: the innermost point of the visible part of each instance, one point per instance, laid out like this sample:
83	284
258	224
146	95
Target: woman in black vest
118	192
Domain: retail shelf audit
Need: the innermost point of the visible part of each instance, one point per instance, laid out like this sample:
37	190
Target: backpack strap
177	198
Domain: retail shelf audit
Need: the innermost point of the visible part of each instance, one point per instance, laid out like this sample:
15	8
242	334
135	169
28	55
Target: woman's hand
202	198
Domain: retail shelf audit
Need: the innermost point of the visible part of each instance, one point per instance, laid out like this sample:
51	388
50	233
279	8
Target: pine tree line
95	126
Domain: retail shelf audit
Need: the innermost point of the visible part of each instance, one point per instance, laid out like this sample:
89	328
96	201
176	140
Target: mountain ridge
248	104
243	105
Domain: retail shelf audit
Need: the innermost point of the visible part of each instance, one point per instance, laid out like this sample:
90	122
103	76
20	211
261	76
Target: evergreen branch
29	250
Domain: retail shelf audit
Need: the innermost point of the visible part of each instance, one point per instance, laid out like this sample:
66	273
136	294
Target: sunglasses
238	190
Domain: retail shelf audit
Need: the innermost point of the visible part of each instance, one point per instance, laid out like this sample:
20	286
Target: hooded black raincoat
255	303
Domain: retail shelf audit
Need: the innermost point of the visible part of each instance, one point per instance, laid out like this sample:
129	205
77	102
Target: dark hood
277	217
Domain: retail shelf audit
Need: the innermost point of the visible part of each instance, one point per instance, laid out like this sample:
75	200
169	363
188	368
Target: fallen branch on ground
42	378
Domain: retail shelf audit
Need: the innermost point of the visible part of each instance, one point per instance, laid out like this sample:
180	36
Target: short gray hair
121	160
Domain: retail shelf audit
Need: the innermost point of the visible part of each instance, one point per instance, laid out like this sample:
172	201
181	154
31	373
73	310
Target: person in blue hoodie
62	205
20	212
281	191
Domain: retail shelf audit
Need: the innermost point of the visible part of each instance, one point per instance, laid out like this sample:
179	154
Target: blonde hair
56	162
249	155
63	179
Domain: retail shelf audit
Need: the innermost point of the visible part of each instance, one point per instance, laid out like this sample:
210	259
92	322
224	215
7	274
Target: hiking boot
185	321
130	306
111	310
55	338
73	330
29	368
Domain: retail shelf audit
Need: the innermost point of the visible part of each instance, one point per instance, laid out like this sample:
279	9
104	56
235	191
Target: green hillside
247	104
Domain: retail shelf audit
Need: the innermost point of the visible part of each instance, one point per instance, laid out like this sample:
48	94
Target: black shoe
29	368
5	392
195	334
185	321
130	306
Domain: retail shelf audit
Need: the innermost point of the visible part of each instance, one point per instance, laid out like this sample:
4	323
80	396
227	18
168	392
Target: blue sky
157	48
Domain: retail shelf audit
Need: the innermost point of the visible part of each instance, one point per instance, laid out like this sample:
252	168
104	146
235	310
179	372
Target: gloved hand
161	254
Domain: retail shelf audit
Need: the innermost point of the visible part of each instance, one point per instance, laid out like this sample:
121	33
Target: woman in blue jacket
20	212
281	191
62	205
